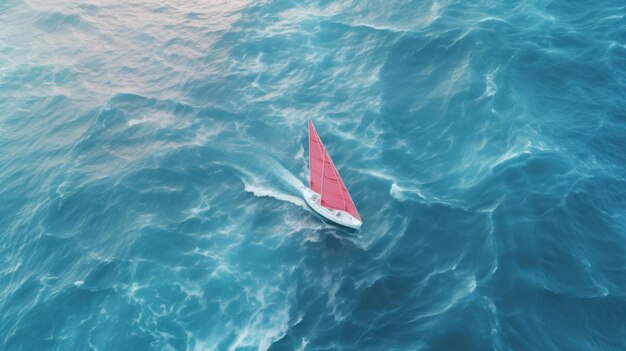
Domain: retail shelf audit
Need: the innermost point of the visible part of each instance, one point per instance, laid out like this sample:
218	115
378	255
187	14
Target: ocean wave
153	161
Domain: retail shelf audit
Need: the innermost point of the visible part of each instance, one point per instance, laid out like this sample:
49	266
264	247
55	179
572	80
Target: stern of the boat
342	218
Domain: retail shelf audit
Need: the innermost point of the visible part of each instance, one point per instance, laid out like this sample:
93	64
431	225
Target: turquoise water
151	155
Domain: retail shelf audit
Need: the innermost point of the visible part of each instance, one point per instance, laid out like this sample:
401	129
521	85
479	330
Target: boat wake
263	191
272	180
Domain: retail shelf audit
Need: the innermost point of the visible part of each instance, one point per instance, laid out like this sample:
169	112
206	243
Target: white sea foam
199	210
402	194
299	154
450	299
192	290
511	154
288	177
419	19
377	174
162	119
204	135
490	86
261	191
269	323
433	14
261	183
303	344
307	224
491	206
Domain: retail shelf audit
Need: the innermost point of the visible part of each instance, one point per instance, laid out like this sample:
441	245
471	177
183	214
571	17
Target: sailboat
327	195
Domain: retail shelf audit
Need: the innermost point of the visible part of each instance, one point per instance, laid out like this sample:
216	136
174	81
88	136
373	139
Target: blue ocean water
151	155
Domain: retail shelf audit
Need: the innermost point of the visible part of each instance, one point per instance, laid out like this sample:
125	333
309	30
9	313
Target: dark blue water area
152	156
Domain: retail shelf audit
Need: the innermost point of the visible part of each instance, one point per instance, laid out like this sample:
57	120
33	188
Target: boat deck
343	218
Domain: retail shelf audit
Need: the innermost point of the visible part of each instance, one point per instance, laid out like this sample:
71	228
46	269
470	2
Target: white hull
336	216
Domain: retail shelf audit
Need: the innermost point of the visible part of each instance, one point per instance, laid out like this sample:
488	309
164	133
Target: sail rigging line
323	167
343	198
314	138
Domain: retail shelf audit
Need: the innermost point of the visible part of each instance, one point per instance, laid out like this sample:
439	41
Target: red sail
325	179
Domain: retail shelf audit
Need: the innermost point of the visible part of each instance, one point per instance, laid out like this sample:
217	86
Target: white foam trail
288	177
269	192
258	188
261	184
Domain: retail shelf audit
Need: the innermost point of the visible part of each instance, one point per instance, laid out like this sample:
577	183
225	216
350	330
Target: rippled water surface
151	155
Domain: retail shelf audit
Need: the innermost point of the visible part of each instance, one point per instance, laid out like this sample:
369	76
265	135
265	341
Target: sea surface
152	155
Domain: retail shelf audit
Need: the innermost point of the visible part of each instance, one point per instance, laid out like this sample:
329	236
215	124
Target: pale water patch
402	194
490	86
